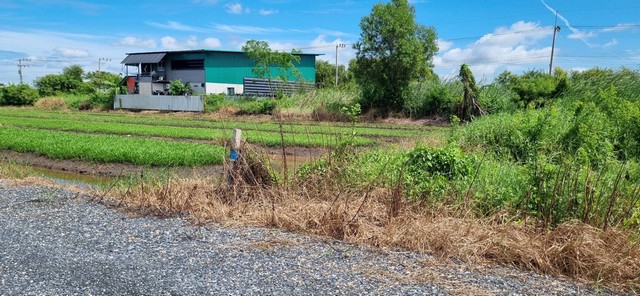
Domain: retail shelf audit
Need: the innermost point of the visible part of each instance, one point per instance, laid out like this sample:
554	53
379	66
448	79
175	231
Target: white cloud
328	49
245	29
611	43
192	42
268	11
237	8
136	42
444	45
211	42
169	42
505	48
51	51
619	28
173	25
67	52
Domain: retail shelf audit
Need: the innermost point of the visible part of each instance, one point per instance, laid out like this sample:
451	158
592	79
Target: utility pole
100	62
20	66
556	29
340	46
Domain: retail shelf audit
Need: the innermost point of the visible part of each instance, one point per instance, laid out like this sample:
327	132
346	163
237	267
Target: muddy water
72	178
293	161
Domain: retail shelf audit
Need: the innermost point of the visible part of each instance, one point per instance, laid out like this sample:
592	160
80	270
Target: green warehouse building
206	71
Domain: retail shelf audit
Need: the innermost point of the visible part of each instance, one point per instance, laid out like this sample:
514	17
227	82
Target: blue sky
490	35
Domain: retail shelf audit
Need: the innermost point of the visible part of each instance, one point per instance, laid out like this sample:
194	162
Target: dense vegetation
109	149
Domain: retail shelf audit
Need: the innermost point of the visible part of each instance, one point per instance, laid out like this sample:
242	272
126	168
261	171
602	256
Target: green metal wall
232	67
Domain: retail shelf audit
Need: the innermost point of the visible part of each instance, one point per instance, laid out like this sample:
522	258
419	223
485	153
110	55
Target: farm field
173	139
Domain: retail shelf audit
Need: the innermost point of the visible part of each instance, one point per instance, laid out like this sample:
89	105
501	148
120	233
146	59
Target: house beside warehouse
209	72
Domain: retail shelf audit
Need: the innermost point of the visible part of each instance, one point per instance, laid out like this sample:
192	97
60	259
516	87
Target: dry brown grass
379	217
51	103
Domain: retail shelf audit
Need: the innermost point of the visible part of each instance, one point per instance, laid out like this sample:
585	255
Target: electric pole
340	46
20	66
556	29
100	60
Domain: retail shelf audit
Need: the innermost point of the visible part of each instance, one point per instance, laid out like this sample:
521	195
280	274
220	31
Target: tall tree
326	74
266	60
392	51
74	72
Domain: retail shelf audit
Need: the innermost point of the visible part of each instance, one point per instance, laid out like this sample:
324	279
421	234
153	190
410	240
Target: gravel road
57	242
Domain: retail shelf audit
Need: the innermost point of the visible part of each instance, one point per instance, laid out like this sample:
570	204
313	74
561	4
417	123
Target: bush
255	107
51	103
179	88
337	111
18	95
535	88
79	103
433	98
213	102
430	170
102	100
495	98
587	84
53	84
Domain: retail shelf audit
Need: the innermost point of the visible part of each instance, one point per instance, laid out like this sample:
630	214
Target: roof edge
209	50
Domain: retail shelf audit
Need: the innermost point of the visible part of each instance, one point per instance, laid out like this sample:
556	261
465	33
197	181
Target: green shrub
79	103
102	100
53	84
337	111
534	88
428	170
255	107
587	84
495	98
18	95
433	98
213	102
179	88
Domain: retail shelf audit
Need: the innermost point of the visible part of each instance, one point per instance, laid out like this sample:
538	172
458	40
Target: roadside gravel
57	242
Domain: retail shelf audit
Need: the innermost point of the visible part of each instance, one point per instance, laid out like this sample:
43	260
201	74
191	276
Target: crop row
198	121
108	148
256	137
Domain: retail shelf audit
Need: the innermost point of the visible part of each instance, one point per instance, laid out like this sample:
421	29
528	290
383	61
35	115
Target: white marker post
236	147
236	143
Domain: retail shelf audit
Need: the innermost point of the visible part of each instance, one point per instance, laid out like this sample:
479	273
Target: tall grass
587	84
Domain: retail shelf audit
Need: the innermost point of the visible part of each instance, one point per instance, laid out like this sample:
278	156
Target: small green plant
256	107
213	102
179	88
428	170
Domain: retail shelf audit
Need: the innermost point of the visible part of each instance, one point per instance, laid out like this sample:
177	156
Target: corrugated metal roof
143	58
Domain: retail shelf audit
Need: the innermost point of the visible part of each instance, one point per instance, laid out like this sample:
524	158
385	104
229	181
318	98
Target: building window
231	91
187	64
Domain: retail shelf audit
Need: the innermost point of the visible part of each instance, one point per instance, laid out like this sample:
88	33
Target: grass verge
378	213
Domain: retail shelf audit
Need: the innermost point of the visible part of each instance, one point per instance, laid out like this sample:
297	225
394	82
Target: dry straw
380	217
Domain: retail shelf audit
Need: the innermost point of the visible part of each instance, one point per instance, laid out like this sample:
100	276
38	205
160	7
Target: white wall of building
218	88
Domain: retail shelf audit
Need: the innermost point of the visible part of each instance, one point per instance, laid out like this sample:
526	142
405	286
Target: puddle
71	178
293	161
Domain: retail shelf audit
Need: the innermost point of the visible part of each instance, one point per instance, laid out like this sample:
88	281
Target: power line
20	66
100	60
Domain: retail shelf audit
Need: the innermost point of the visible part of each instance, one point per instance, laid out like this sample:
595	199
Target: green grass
256	137
205	122
109	149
